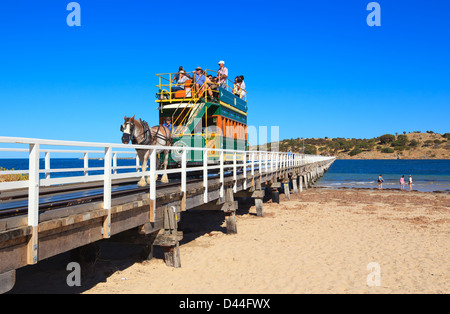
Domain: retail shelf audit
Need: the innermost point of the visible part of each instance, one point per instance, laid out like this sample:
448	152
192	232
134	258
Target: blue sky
314	68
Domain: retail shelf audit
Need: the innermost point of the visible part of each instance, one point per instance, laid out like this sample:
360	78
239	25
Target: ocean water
428	175
65	163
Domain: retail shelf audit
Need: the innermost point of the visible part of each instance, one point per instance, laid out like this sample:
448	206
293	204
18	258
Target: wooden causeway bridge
49	213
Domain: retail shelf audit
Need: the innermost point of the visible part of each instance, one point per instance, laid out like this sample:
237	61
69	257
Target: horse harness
148	136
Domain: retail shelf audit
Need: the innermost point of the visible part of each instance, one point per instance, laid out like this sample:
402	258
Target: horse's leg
144	159
165	178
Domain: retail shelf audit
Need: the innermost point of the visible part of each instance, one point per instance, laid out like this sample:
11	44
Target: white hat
221	62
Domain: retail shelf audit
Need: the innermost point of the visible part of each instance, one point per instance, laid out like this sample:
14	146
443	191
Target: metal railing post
245	169
152	195
115	163
205	176
234	172
86	164
137	163
253	164
47	165
33	203
260	162
184	170
107	192
222	176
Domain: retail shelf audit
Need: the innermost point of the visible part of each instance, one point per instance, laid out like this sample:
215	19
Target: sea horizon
429	175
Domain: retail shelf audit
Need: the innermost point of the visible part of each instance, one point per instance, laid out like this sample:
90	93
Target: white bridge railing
36	151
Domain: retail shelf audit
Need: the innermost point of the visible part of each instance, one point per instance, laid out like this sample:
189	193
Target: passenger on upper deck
199	81
223	74
243	83
243	90
212	84
177	75
180	83
237	86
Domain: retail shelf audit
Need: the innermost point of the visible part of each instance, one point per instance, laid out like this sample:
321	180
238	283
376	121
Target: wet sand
320	241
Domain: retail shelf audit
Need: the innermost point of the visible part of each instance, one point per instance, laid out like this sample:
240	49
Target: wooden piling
168	239
259	199
230	214
294	185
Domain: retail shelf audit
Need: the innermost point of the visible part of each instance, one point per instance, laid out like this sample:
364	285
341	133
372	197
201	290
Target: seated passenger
177	75
180	83
199	81
237	86
212	85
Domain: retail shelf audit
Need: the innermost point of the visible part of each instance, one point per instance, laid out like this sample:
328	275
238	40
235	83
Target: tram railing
39	151
166	83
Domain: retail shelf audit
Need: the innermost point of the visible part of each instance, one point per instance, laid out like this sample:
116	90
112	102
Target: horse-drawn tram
212	114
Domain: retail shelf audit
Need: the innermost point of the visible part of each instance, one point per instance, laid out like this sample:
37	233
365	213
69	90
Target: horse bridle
127	137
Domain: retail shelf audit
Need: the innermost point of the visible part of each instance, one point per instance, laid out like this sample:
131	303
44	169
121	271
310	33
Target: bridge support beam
258	196
169	237
230	211
275	193
7	281
294	184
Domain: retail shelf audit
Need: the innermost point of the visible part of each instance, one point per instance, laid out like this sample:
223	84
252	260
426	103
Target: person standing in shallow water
380	182
410	182
402	183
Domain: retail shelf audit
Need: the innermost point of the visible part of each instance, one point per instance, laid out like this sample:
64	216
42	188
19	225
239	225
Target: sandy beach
320	241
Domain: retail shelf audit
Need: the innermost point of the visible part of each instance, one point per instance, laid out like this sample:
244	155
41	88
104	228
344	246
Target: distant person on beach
402	183
410	182
380	182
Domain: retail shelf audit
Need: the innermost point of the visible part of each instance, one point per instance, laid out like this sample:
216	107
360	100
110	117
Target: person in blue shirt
167	124
199	81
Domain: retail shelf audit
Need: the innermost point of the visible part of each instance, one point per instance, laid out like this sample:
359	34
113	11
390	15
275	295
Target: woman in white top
243	90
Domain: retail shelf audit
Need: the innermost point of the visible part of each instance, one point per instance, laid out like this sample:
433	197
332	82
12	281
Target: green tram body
218	122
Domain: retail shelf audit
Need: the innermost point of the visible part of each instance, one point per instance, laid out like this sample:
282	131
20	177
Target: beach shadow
123	250
50	276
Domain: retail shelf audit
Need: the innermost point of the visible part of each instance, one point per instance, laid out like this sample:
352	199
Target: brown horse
139	133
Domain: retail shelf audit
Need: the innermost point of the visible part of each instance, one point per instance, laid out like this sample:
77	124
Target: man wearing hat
199	81
223	74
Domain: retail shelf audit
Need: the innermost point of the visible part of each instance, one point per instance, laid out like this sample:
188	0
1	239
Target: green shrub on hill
387	138
355	152
387	150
